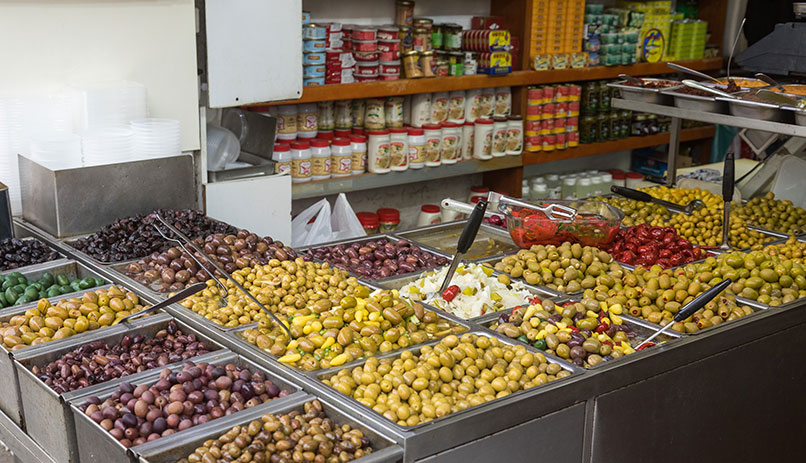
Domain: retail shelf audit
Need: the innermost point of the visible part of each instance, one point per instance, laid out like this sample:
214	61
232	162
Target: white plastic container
487	103
554	186
525	190
420	109
472	103
341	154
326	115
433	144
307	120
634	179
378	159
393	112
358	146
499	146
540	191
468	135
584	188
456	107
429	215
399	150
281	154
320	159
607	182
596	185
450	150
416	148
300	162
503	101
287	122
514	145
439	107
569	189
483	139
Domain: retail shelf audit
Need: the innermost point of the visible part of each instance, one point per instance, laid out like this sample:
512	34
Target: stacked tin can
365	52
326	57
552	117
314	44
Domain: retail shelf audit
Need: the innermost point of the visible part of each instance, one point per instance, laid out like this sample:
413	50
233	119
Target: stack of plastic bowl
107	145
106	104
156	138
57	151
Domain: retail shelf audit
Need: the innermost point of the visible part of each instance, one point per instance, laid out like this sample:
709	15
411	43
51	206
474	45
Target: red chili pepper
573	328
535	301
569	303
601	328
644	346
450	293
608	343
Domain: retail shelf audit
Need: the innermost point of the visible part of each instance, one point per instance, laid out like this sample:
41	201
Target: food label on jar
439	110
287	123
514	140
503	104
449	145
394	112
487	144
306	122
300	168
416	154
474	111
359	161
283	168
468	152
499	141
320	166
432	149
341	164
486	101
357	113
456	109
397	151
382	157
373	117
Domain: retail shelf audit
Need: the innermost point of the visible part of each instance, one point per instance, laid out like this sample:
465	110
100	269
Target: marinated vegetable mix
477	291
325	336
529	227
17	289
455	374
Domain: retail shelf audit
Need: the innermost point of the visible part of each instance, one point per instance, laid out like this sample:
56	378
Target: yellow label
320	166
416	154
341	164
359	160
300	168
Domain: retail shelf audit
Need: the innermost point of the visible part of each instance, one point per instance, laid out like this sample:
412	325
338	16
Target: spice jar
404	12
467	140
281	154
358	146
433	143
343	110
429	215
393	112
370	222
358	106
374	118
287	122
514	135
499	147
341	157
451	143
389	219
300	162
456	63
307	124
427	63
482	139
416	148
456	107
320	159
439	107
327	116
399	149
411	64
378	152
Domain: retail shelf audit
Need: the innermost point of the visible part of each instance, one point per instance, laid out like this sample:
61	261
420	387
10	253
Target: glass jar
499	146
358	146
456	63
451	143
554	186
468	135
514	145
440	101
540	191
369	221
604	98
590	98
357	109
378	160
436	36
597	188
615	125
327	116
374	114
399	150
584	188
416	148
307	124
421	39
287	122
606	180
452	37
281	154
456	107
429	215
393	112
300	162
406	39
344	117
341	157
442	67
569	188
602	127
427	63
433	144
526	191
389	219
404	12
320	159
483	139
411	64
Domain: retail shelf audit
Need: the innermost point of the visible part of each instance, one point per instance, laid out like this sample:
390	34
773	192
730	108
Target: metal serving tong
552	211
728	173
647	198
187	292
193	245
465	241
689	309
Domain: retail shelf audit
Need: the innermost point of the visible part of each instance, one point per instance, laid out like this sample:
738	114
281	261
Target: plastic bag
325	227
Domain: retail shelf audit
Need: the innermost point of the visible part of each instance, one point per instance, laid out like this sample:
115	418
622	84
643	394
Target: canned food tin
573	139
360	78
561	93
365	33
314	70
313	81
390	67
571	124
561	142
306	17
532	128
546	126
313	58
533	112
383	76
364	56
315	45
389	56
388	45
549	142
535	96
388	33
548	94
573	108
313	31
559	125
560	109
365	45
548	111
366	68
534	143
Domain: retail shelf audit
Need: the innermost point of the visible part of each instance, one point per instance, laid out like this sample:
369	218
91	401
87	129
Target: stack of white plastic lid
155	138
108	104
57	151
108	145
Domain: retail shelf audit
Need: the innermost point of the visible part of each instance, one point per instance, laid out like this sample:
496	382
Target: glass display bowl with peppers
595	224
647	246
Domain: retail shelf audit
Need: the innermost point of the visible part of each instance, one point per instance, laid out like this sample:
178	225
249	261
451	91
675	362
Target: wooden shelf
631	143
515	79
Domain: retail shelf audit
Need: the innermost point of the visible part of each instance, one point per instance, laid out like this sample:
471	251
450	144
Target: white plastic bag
341	224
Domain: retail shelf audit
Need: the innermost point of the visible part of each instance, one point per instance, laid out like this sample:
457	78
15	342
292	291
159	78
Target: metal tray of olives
70	268
444	237
98	446
9	401
754	109
766	231
649	95
365	410
26	268
707	104
46	416
384	447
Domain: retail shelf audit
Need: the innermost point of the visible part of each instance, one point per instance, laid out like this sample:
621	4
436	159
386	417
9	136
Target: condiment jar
503	101
420	109
472	104
374	118
584	188
358	146
327	117
404	12
287	122
429	215
370	222
499	147
411	64
433	143
300	162
416	148
554	186
320	159
451	143
483	139
456	107
619	178
634	179
606	179
358	106
389	219
281	154
514	135
467	140
478	192
341	157
307	124
427	63
399	149
378	152
439	107
393	112
569	189
343	110
540	191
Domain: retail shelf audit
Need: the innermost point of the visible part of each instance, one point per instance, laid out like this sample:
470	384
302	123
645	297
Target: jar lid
325	135
368	64
388	214
300	145
515	117
399	130
432	126
341	142
450	124
470	123
415	131
358	139
368	219
280	148
365	28
480	189
634	175
379	132
484	120
388	28
319	143
430	208
500	119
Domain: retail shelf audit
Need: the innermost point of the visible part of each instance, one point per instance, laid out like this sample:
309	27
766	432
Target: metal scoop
689	309
187	292
701	75
647	198
634	80
727	196
552	211
770	80
705	88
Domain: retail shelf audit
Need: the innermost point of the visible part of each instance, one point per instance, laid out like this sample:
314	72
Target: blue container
313	58
315	70
313	81
314	31
306	17
313	45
